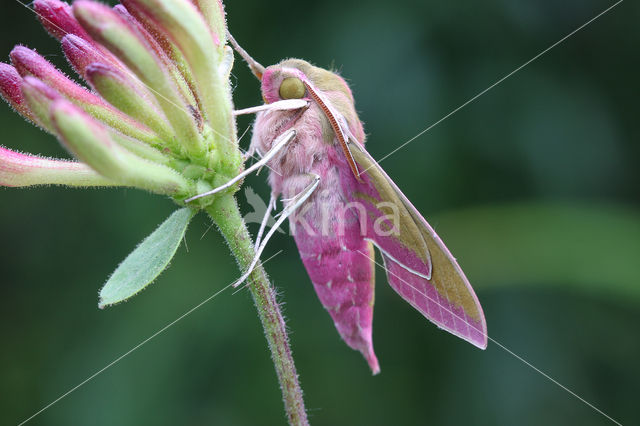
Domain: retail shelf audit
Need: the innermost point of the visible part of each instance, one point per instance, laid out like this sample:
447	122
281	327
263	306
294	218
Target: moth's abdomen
344	284
339	263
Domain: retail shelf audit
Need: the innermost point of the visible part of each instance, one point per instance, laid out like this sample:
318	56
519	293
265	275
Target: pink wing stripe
422	295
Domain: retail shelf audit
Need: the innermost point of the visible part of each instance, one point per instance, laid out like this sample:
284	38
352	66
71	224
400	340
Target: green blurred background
534	187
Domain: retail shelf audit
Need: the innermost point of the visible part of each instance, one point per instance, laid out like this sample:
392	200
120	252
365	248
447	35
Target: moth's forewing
444	294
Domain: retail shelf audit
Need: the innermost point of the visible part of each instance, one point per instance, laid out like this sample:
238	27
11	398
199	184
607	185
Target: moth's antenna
255	66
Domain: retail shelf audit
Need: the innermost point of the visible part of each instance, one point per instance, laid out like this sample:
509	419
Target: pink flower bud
58	20
80	53
18	169
29	63
10	84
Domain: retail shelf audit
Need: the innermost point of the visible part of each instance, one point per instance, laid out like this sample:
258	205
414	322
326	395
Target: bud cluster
157	112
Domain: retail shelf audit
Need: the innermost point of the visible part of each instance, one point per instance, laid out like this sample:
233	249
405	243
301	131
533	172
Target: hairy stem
226	215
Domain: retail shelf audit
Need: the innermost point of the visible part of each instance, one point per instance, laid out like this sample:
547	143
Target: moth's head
288	80
298	79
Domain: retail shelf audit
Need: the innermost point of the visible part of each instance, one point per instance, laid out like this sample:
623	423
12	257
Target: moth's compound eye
292	88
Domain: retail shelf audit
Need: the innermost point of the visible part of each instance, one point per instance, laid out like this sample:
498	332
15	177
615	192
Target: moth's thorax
304	153
313	150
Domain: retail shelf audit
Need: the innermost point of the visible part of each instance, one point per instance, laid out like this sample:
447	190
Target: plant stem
225	213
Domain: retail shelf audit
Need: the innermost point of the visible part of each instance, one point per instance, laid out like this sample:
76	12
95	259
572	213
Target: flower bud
56	17
18	169
119	91
39	98
159	115
80	53
10	90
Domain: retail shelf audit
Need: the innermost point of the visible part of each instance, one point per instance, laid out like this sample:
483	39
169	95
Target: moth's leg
278	144
265	220
285	105
291	207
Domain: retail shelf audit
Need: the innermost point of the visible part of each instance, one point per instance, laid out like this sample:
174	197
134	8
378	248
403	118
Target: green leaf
147	261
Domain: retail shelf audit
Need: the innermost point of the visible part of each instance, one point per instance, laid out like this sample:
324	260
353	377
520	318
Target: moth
341	205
